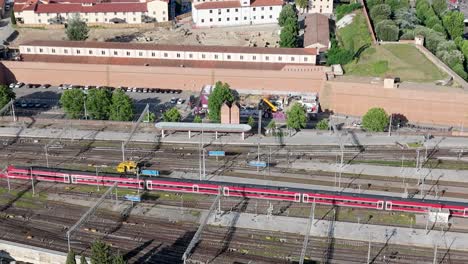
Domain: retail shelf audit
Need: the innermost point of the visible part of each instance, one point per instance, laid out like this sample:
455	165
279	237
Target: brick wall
254	81
445	106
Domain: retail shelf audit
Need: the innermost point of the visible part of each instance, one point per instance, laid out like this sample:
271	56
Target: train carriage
187	187
130	183
258	193
343	200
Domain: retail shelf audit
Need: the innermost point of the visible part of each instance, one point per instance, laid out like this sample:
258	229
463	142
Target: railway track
177	158
159	241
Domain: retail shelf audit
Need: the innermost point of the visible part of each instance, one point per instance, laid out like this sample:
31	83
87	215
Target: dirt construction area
184	34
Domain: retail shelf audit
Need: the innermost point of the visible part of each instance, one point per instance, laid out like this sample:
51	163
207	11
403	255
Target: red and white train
378	202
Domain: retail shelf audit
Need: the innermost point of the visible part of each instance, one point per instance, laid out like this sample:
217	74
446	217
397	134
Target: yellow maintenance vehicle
127	166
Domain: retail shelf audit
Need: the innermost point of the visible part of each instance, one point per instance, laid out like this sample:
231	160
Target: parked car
19	84
30	105
38	105
24	105
174	100
12	85
45	86
45	106
180	101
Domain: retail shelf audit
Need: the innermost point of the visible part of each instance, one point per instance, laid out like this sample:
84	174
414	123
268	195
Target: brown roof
154	62
267	3
145	46
316	30
218	5
95	8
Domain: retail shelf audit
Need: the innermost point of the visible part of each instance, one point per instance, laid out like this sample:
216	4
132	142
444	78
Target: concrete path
306	137
344	230
384	171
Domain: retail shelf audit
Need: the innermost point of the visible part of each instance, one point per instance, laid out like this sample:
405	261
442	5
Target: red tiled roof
97	8
145	46
218	5
154	62
2	4
266	3
72	1
17	7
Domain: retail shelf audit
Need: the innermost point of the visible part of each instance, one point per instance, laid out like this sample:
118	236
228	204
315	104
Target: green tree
372	3
77	28
197	119
98	104
100	253
12	17
250	121
345	9
406	18
296	117
439	6
431	21
172	115
458	69
118	259
71	257
221	93
6	94
122	107
375	120
464	48
439	28
423	9
387	30
73	103
397	4
453	23
322	124
288	11
289	34
380	12
302	4
451	57
337	55
83	260
459	42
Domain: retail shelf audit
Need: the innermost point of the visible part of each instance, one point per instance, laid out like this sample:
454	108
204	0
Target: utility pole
369	249
259	136
32	181
46	156
85	110
390	125
435	254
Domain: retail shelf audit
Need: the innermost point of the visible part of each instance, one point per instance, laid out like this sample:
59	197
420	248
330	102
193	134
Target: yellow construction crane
127	166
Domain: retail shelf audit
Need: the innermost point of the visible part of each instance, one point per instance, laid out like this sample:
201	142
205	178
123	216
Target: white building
91	11
232	13
321	6
170	52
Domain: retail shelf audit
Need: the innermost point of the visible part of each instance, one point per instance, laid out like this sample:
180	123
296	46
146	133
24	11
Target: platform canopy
207	127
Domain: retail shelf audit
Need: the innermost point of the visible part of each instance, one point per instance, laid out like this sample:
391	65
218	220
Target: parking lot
43	100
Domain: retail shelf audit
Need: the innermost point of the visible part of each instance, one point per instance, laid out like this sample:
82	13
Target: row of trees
441	28
288	22
100	254
99	104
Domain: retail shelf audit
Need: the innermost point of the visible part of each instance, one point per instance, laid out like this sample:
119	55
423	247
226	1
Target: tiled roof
18	7
316	30
97	8
154	62
144	46
266	3
218	5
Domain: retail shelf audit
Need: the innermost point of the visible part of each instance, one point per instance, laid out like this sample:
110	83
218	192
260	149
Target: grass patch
415	144
355	35
402	60
435	164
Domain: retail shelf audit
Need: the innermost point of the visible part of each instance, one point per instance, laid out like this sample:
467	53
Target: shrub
431	21
458	69
342	10
451	57
337	55
372	3
322	125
